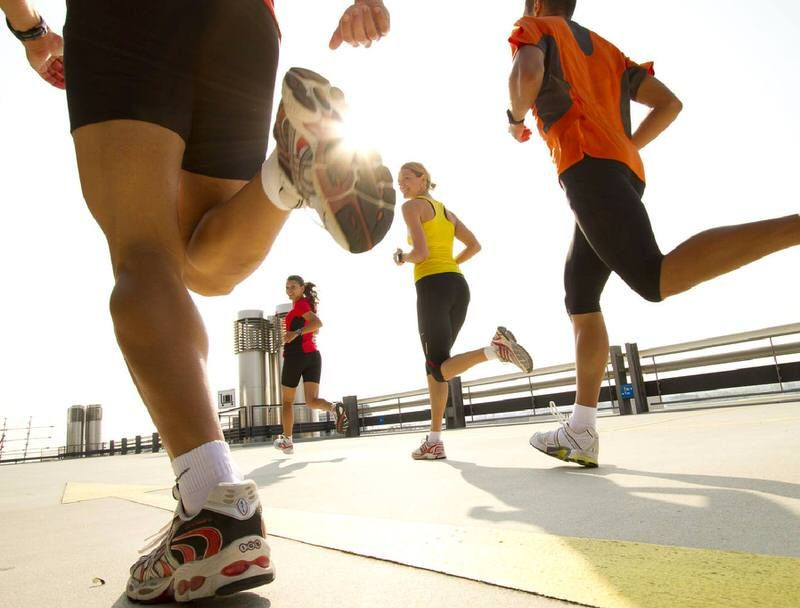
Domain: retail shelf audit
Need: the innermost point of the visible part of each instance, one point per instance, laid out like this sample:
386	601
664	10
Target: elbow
476	247
423	253
675	105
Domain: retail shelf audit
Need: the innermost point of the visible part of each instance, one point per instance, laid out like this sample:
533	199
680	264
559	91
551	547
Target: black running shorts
305	365
442	301
204	69
612	233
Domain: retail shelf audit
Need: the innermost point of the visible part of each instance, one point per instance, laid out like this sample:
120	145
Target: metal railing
762	365
519	395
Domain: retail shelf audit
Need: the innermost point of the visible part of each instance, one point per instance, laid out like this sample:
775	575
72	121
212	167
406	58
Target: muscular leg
438	392
591	356
130	174
311	391
287	409
228	227
721	250
457	365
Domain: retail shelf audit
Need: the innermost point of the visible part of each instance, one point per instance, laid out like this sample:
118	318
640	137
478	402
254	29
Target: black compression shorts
305	365
612	233
442	301
204	69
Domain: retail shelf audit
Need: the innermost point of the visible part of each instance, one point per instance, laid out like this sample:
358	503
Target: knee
434	369
208	288
581	304
647	282
142	277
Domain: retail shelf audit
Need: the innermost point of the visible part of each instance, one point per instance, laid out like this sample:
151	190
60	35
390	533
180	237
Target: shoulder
414	206
302	306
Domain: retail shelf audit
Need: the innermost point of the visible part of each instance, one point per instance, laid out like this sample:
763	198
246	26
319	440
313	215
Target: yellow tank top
439	235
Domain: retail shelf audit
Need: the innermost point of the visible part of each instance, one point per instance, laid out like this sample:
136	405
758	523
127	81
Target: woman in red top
301	359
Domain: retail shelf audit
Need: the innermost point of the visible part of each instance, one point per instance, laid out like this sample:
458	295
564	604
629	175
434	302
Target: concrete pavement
690	508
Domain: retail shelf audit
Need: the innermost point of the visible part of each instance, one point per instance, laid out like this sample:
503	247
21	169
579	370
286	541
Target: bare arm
20	14
45	53
361	24
665	109
465	235
419	245
524	85
313	323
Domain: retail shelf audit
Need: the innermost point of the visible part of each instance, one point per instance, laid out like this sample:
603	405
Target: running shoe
352	192
429	450
342	420
284	444
508	350
220	551
565	444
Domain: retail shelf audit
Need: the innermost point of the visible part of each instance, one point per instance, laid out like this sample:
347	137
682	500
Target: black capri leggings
612	233
442	301
307	366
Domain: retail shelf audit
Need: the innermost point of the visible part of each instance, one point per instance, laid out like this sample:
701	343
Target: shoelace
559	416
158	538
163	533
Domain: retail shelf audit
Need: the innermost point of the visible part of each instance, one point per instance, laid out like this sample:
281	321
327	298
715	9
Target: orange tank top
583	107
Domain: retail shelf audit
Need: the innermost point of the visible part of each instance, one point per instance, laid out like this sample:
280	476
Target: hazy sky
434	91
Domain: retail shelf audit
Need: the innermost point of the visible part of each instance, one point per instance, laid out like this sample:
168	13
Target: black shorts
305	365
442	302
612	233
204	69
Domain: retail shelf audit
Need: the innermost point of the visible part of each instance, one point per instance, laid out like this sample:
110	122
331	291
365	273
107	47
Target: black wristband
512	120
36	32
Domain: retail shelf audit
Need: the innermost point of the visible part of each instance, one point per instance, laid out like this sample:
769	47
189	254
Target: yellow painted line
596	572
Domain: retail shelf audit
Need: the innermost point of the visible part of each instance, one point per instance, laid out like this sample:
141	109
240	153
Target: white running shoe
565	444
352	192
508	350
220	551
284	444
429	450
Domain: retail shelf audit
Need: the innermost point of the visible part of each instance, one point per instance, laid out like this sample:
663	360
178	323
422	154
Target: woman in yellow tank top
443	297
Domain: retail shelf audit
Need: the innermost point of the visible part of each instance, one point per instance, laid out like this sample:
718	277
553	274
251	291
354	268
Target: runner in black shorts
170	105
301	359
443	297
579	87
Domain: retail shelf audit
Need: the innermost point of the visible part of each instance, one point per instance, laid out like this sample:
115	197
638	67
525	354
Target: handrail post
454	411
620	378
637	378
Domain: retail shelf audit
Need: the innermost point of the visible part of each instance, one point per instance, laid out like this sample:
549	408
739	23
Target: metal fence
743	368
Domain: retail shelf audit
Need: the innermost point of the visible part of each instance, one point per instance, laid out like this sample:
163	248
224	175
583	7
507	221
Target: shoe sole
428	457
355	190
568	455
243	564
523	359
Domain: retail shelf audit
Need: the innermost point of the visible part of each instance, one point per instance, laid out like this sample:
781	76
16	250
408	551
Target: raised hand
363	23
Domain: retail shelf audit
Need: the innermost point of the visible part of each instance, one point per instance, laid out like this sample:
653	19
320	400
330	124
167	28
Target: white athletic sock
491	354
277	186
434	436
199	470
583	417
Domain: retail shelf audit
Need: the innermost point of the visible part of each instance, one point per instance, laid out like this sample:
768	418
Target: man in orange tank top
579	87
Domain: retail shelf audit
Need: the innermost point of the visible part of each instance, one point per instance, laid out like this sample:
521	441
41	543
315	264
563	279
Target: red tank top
294	321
